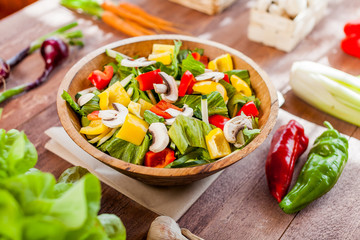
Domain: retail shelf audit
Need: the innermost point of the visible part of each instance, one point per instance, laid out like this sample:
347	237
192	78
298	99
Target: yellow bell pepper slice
145	105
135	108
133	130
114	94
240	85
207	87
164	58
161	48
95	127
216	144
222	63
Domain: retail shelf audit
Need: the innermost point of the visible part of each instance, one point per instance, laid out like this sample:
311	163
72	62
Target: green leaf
195	67
188	132
17	154
91	7
11	217
249	135
243	74
73	174
182	55
66	96
237	101
151	117
124	71
125	150
113	226
90	106
216	105
230	89
197	157
191	100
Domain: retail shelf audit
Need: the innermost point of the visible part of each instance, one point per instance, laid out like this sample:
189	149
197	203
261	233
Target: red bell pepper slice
186	79
218	120
93	116
204	60
196	56
101	79
226	78
352	27
249	109
351	45
160	159
147	80
160	107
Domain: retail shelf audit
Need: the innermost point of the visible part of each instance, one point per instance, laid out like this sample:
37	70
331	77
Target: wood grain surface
237	205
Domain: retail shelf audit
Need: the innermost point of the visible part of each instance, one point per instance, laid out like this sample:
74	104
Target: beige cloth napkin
160	200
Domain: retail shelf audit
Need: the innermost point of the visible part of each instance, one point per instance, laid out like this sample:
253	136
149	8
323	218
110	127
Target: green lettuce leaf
243	74
197	157
195	67
66	96
230	89
11	217
250	134
113	226
238	100
90	106
151	117
17	153
188	132
191	100
125	150
216	105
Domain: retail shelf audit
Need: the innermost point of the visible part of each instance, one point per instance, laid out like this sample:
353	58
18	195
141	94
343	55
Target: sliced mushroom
83	99
233	127
186	111
160	88
160	137
171	94
114	118
87	90
213	76
140	62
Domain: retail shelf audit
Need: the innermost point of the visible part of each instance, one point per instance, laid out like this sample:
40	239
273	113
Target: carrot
119	24
139	11
145	31
108	6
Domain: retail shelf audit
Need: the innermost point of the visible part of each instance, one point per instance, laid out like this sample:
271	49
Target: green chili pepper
325	163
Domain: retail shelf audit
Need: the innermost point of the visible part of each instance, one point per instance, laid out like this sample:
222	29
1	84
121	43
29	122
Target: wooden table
237	205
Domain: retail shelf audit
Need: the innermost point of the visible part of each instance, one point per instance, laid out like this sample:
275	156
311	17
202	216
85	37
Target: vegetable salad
175	108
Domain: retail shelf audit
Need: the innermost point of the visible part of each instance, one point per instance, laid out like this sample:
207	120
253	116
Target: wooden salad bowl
76	80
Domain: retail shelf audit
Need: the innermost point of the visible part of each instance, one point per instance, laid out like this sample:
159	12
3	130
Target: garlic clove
85	98
165	228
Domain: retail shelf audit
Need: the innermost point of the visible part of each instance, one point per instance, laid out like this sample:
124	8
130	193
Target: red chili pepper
101	79
147	80
249	109
160	159
287	145
351	43
218	120
160	107
186	79
204	60
93	116
196	56
226	78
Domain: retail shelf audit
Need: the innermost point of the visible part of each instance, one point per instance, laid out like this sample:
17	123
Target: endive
330	90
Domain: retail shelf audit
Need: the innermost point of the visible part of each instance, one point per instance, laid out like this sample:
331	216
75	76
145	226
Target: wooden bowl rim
161	172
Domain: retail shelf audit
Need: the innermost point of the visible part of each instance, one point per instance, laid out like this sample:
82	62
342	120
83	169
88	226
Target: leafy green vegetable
113	226
174	61
195	67
124	71
17	154
188	132
249	135
243	74
91	7
191	100
183	53
216	105
151	117
125	150
114	79
197	157
66	96
90	106
199	50
137	93
238	100
34	206
230	89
